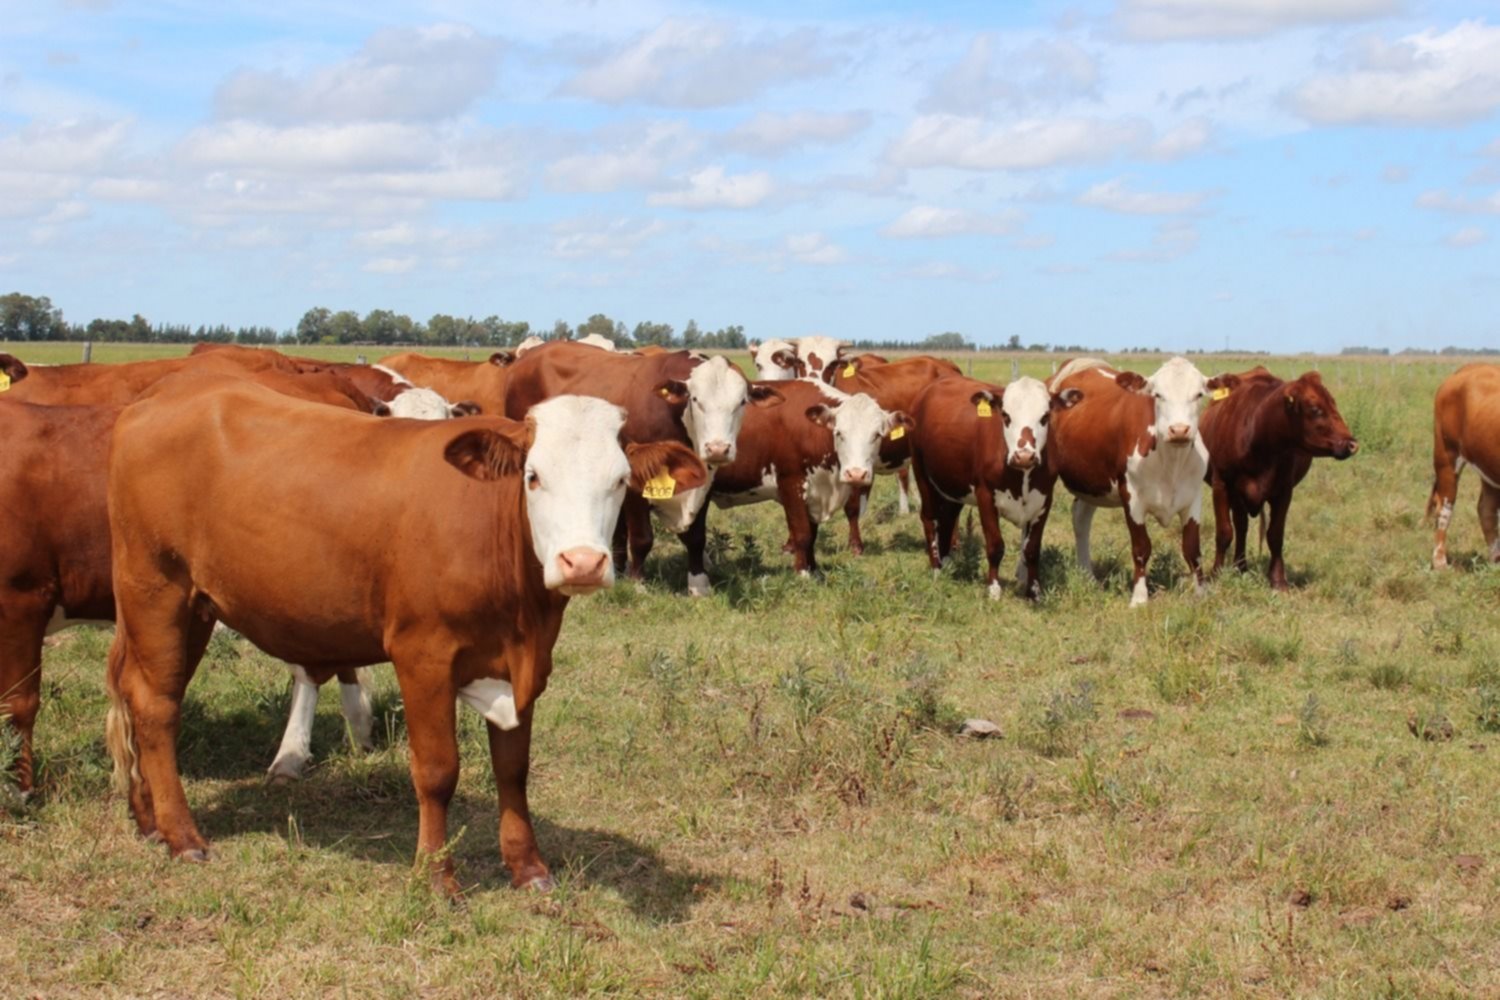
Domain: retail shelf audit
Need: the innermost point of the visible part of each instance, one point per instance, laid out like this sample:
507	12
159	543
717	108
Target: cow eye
533	481
1045	418
1005	417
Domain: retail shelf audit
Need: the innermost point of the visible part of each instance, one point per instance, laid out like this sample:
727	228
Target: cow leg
432	735
1224	529
1140	554
928	512
510	756
1445	465
21	632
854	507
1489	515
801	533
637	513
1028	567
1083	523
296	741
947	528
354	699
1276	572
1241	536
903	491
695	540
1192	552
620	543
994	540
155	654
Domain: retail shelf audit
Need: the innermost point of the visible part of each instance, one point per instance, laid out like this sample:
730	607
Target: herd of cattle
259	490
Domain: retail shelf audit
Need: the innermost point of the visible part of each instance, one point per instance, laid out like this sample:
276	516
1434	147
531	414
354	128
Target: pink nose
716	452
583	567
1023	459
858	477
1179	432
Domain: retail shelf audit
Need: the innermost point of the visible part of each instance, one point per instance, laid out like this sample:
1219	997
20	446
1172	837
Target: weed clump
1056	725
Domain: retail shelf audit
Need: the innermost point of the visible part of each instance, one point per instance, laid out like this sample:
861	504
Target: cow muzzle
857	477
583	570
1023	458
718	452
1345	449
1180	434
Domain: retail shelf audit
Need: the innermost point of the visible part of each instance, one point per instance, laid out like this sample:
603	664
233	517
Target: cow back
1093	439
628	380
779	438
483	382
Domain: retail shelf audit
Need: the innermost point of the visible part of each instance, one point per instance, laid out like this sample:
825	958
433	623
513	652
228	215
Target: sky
1278	175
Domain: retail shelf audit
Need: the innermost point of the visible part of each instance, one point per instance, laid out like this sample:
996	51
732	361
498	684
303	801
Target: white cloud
1188	138
1442	201
1468	236
391	265
1114	196
942	270
700	64
589	237
814	248
773	134
931	221
1172	240
1429	78
638	157
972	144
712	188
69	147
1165	20
1045	73
357	147
401	74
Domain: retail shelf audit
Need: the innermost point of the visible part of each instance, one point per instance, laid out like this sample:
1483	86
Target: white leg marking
494	699
296	742
903	502
1138	593
995	591
1445	515
698	585
1083	522
864	503
358	711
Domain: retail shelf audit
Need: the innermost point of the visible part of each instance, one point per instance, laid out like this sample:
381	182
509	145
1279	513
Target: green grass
761	793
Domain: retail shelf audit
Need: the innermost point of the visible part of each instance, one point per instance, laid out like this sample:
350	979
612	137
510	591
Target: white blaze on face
766	368
574	482
1178	389
1025	408
421	404
819	354
717	396
859	424
396	376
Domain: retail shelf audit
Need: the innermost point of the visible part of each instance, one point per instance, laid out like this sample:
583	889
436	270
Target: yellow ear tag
983	408
660	486
4	381
898	432
664	392
1220	393
849	371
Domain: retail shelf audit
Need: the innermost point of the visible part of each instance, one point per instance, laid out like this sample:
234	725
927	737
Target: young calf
449	550
1262	437
807	452
979	445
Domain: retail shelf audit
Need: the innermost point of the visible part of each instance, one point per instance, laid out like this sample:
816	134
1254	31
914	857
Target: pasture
762	792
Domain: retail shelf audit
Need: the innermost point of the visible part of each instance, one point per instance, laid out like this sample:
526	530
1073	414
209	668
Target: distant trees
26	317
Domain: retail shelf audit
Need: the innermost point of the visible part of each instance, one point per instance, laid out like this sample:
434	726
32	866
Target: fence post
88	351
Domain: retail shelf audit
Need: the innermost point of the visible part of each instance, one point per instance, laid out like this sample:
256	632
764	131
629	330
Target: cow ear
764	395
502	358
984	396
900	418
785	359
649	460
822	414
465	408
13	367
1067	399
1131	382
1225	381
487	454
674	392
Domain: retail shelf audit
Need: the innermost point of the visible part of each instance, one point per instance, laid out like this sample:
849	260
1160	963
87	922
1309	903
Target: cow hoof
193	855
856	550
994	591
284	770
698	585
540	884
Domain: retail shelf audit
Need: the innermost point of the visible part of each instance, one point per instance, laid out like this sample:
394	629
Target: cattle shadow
372	818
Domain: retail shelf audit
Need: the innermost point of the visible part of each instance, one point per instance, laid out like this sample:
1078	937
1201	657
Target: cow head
774	359
1320	429
574	475
713	401
818	355
1026	408
12	367
426	404
501	359
858	425
1177	389
531	343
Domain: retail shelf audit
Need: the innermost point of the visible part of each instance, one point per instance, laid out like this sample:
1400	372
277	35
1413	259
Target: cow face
858	425
574	478
818	355
424	404
716	397
774	359
1320	428
1177	388
1025	411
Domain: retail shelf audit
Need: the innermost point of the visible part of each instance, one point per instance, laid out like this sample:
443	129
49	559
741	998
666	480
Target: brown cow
1262	437
678	396
1466	431
449	549
982	445
808	452
895	385
1133	443
483	382
116	385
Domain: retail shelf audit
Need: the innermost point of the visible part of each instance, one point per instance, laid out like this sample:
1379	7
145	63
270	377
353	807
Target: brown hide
483	382
1466	428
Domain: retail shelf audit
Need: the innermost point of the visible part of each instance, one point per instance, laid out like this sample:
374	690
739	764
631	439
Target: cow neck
1270	431
515	583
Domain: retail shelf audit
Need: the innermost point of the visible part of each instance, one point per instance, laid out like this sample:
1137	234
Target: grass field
762	793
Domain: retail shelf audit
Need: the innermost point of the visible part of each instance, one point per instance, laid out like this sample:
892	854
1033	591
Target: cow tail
1260	520
119	728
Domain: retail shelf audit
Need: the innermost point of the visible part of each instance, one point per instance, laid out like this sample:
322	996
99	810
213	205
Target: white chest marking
494	699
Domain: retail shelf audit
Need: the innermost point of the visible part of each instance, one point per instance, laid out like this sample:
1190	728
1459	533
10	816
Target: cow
531	343
676	396
775	360
116	385
818	355
596	340
449	549
1466	431
984	446
1262	435
895	386
481	383
806	451
56	572
1133	443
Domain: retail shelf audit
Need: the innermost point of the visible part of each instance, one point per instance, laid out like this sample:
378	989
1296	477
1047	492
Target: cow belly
765	490
824	493
60	621
1491	477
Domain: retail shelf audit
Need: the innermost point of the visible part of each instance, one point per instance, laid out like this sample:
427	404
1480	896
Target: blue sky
1268	174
